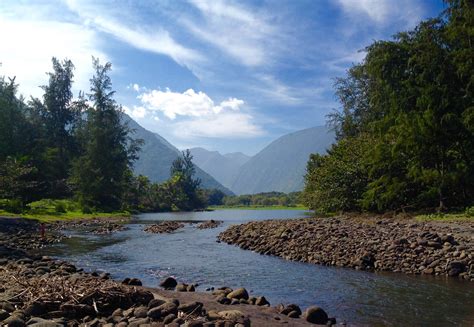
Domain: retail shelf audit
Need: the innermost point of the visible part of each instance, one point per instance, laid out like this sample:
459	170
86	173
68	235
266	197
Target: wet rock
35	309
316	315
168	283
455	268
294	314
181	288
223	300
289	308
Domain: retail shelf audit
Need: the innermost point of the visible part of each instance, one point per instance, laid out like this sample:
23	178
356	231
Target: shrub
469	212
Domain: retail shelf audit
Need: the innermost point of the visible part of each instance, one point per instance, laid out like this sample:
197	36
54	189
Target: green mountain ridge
157	155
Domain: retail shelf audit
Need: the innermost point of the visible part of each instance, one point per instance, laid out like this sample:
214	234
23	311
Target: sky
224	75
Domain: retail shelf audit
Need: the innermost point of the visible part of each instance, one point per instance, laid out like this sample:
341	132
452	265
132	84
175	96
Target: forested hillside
406	128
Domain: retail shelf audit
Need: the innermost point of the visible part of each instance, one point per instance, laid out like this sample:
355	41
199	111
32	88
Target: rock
140	312
455	268
139	322
7	306
14	321
35	309
168	283
262	301
77	310
294	314
316	315
181	288
240	293
289	308
234	302
4	314
155	303
233	315
45	323
223	300
194	323
192	307
191	288
163	310
169	318
135	282
213	315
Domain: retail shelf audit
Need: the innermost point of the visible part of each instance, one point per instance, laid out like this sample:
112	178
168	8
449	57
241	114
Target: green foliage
469	212
108	152
11	205
263	199
51	207
413	97
336	181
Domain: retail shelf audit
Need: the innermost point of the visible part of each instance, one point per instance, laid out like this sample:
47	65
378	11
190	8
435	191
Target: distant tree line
62	147
263	199
406	128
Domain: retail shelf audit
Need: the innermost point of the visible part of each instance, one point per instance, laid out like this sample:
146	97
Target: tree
108	151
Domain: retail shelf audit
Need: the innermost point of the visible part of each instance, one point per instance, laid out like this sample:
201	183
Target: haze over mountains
280	166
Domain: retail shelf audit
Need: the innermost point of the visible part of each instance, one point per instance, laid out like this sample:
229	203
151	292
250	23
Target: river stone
289	308
4	314
294	314
316	315
168	283
236	316
140	312
240	293
155	303
181	288
14	321
7	306
191	288
154	313
46	323
135	282
35	309
194	323
169	318
261	301
192	307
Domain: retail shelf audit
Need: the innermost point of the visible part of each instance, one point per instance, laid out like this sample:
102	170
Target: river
193	255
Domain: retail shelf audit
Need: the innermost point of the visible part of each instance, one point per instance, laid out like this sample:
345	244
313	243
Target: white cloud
27	46
236	31
137	112
194	114
188	103
383	11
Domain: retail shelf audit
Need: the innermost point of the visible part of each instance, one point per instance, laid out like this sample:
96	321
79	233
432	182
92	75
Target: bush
51	207
12	205
86	209
60	207
469	212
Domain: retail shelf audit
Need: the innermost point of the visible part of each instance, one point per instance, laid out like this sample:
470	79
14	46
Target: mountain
281	165
223	168
157	155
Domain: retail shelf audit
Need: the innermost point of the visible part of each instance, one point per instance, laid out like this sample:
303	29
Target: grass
70	215
255	207
50	210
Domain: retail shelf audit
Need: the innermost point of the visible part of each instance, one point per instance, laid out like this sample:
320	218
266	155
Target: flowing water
192	255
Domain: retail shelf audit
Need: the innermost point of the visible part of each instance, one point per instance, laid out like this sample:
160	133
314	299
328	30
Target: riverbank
373	244
255	207
39	290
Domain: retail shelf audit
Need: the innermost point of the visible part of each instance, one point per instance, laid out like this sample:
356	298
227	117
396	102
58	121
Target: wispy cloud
234	30
383	11
153	38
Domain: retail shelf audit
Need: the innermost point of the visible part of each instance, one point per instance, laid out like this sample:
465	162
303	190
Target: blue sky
224	75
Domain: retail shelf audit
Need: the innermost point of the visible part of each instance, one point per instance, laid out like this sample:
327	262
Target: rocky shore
39	291
430	248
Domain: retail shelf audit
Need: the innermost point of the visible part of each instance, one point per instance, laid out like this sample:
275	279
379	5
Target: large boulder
316	315
168	283
240	293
